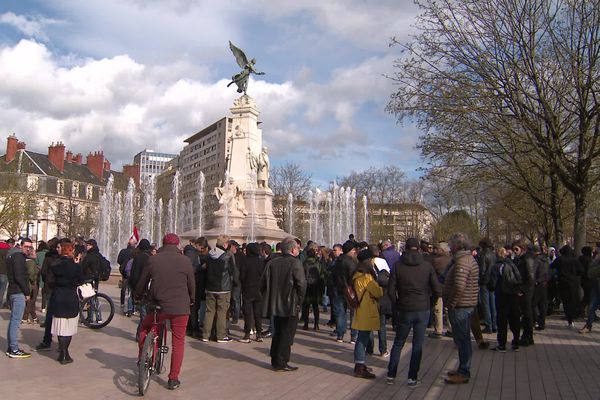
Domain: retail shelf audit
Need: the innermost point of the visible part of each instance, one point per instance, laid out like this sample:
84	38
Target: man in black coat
124	256
283	301
524	260
341	275
91	263
18	294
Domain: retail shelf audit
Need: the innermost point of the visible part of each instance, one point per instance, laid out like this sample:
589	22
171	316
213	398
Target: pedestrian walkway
562	365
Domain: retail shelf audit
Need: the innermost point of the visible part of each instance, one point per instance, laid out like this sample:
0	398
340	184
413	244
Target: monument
245	210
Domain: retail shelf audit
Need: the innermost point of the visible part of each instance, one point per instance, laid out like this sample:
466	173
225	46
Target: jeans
339	310
17	308
236	302
488	306
3	286
417	320
142	310
360	347
178	325
594	303
460	319
381	335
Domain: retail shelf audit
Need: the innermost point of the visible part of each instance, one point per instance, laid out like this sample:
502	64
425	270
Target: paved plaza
562	365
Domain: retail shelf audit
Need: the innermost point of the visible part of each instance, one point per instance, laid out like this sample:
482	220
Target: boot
305	327
61	356
316	328
361	371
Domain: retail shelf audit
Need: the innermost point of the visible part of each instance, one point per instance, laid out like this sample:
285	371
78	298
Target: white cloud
31	26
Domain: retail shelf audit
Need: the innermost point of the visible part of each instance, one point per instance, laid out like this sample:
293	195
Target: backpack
127	269
105	269
511	275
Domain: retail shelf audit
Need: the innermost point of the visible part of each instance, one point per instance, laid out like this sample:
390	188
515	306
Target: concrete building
53	194
151	163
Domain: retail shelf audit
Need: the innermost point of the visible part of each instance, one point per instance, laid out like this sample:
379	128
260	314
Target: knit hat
348	246
171	238
365	254
144	245
411	243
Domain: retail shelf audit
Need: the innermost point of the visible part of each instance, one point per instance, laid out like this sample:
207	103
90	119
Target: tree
384	185
283	181
455	221
504	85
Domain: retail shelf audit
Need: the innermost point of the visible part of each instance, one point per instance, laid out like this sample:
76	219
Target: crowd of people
452	287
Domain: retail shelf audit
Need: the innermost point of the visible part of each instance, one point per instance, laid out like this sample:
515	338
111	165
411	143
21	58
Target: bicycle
96	311
151	358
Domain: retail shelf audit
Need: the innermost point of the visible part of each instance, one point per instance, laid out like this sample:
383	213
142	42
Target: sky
124	75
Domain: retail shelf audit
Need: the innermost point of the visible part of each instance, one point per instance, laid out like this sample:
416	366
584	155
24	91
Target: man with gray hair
282	301
461	289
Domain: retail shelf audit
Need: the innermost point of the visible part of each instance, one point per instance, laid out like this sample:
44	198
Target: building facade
151	163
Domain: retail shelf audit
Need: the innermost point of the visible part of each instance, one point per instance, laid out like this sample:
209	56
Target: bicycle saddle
154	307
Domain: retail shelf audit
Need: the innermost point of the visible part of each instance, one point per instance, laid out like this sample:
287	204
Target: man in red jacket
173	289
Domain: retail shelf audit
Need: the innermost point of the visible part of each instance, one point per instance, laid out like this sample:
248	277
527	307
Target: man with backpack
505	281
124	256
94	264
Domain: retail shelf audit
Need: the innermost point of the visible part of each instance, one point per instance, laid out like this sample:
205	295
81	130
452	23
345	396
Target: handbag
351	298
86	290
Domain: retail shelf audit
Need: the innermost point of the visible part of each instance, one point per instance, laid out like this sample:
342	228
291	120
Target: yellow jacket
366	317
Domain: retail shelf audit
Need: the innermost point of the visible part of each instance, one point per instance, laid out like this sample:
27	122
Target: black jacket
65	276
526	266
16	269
542	268
220	270
140	262
342	271
486	260
283	286
51	257
251	273
91	264
124	256
412	282
496	283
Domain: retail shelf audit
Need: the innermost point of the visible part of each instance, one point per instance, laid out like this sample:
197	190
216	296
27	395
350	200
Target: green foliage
453	222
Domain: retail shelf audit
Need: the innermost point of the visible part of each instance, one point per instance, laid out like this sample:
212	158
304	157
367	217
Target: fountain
200	182
290	213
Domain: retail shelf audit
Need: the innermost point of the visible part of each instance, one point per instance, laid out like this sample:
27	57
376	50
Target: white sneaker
413	383
389	380
386	354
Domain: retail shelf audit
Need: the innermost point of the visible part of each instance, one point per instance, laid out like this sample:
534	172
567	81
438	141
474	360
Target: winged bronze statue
241	79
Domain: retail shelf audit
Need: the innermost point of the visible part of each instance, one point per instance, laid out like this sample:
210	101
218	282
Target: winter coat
391	256
91	264
173	284
542	269
252	272
412	282
497	284
526	266
124	256
16	269
461	281
366	316
283	286
440	262
65	275
315	281
342	271
220	270
140	262
569	273
486	260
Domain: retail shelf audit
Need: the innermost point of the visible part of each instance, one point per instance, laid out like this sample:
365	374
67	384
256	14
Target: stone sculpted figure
241	79
263	169
252	161
231	196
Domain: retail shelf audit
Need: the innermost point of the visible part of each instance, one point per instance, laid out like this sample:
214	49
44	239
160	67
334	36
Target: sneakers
412	383
18	354
203	339
173	384
226	339
245	339
515	348
352	341
43	346
385	354
499	349
434	335
389	380
339	340
585	329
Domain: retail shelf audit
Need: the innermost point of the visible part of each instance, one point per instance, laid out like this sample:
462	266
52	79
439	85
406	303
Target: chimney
106	165
132	171
11	148
95	163
69	156
78	158
56	156
20	145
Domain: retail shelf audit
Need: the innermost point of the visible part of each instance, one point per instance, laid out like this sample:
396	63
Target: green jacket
366	317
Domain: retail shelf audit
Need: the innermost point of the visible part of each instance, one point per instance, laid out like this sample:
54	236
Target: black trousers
252	318
284	330
540	305
306	310
507	314
526	314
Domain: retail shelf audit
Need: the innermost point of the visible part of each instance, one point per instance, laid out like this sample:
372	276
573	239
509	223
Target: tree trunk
579	225
555	212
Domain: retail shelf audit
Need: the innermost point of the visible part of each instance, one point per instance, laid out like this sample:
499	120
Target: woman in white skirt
65	275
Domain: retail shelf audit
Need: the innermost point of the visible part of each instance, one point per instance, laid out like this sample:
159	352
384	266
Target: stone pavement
562	365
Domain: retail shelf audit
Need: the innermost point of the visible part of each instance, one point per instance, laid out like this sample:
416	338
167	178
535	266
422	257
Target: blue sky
124	75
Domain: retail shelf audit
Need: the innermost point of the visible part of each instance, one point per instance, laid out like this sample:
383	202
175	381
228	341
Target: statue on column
263	169
241	79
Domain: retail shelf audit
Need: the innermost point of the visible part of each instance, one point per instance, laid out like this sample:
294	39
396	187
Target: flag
135	235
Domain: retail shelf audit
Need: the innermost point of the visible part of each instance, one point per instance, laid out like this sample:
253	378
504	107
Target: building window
32	183
89	192
60	187
75	189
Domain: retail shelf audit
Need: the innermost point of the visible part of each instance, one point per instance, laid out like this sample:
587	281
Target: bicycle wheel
162	349
97	311
145	363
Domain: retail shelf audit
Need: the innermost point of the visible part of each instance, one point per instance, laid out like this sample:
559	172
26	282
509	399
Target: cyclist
172	287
